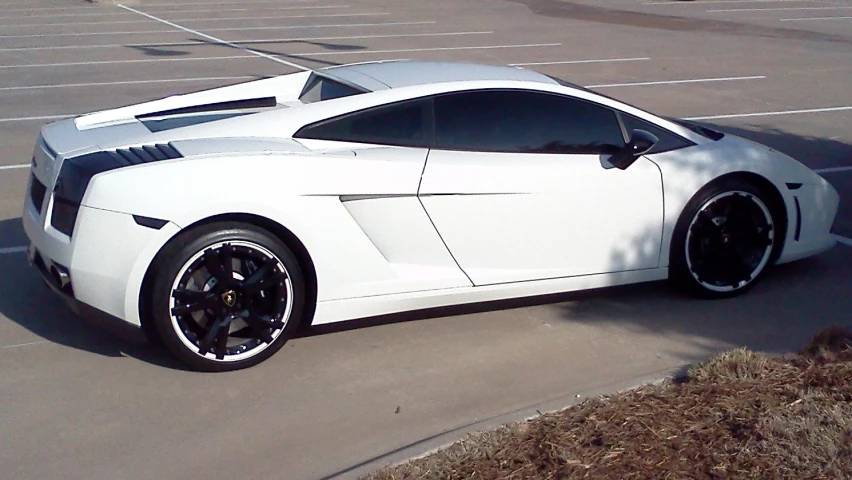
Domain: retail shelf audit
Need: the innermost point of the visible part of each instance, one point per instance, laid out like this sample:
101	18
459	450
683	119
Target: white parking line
121	62
565	62
833	169
323	7
8	250
41	9
90	7
29	119
209	19
214	39
6	347
253	41
671	82
779	9
116	12
768	114
254	2
127	82
228	29
813	19
14	167
433	49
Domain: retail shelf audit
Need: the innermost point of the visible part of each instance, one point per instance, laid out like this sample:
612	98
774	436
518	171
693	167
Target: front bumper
57	277
812	217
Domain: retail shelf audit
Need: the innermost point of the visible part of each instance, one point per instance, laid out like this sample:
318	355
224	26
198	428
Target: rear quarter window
403	124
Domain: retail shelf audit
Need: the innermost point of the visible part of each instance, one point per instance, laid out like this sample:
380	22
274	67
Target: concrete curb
429	445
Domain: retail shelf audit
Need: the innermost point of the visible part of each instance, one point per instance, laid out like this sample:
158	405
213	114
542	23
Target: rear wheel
226	296
724	240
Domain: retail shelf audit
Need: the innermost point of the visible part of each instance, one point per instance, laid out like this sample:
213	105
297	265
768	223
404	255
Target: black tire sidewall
179	251
679	268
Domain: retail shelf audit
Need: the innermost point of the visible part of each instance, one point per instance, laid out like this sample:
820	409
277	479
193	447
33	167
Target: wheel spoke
262	329
263	277
218	268
228	262
704	225
207	342
266	282
740	270
193	301
222	342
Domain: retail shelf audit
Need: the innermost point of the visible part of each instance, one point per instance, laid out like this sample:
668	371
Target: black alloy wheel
725	240
234	293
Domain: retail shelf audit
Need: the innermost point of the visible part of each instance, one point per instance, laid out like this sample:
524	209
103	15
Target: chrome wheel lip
275	334
764	260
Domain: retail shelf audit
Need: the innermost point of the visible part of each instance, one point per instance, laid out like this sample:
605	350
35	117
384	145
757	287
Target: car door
519	188
375	159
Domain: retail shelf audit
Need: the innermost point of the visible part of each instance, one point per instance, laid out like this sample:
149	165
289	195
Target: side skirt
357	308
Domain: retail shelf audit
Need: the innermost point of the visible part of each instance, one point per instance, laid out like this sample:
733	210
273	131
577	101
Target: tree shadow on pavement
790	303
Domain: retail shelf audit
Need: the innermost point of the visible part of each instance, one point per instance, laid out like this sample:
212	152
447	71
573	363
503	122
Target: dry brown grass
740	415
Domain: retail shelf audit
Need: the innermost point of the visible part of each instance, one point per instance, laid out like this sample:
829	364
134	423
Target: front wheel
226	296
724	240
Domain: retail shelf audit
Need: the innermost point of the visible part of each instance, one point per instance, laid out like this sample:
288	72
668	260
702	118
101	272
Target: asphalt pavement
339	401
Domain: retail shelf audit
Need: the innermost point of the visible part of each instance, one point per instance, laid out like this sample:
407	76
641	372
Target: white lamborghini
220	221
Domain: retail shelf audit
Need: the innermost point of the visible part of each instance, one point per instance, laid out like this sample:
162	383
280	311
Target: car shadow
27	301
779	314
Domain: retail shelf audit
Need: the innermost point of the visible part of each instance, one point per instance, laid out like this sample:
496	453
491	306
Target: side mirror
640	143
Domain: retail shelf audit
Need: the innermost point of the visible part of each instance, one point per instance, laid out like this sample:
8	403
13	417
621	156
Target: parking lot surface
80	404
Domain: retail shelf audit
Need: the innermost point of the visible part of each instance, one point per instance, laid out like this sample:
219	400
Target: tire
726	237
214	319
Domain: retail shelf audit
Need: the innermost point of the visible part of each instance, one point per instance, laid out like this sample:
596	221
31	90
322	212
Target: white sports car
219	221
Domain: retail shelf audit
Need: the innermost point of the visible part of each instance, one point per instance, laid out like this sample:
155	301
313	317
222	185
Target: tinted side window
668	141
528	122
402	124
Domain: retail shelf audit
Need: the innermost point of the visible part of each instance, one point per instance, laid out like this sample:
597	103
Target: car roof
382	75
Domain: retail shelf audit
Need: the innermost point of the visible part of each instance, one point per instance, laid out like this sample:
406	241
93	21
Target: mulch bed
740	415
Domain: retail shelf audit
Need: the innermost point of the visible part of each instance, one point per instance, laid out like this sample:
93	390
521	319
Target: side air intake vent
76	173
148	153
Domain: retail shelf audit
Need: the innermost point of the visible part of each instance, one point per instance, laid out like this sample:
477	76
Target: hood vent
244	104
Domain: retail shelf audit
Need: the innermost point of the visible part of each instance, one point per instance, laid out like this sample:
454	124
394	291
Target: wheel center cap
229	298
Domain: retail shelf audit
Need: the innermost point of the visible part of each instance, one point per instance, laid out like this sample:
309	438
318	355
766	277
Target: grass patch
739	415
